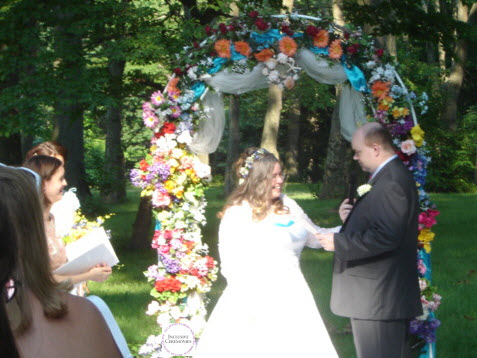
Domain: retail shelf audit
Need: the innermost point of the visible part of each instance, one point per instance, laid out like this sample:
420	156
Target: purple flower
136	180
171	265
160	170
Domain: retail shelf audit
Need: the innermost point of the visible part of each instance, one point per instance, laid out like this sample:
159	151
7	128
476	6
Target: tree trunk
453	83
141	233
69	118
234	143
338	157
68	108
114	188
272	119
338	17
291	155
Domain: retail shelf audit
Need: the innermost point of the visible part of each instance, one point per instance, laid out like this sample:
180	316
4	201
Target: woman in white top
267	308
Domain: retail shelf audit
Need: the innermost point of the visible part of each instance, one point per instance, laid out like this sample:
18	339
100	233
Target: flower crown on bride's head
247	165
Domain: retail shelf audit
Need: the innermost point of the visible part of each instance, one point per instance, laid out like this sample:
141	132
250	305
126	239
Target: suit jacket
375	263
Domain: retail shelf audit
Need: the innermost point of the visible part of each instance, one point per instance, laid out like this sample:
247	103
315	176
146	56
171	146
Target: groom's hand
345	209
327	241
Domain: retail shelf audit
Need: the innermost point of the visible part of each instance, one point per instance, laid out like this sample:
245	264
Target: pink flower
433	213
164	249
176	111
160	199
426	221
408	147
149	118
157	98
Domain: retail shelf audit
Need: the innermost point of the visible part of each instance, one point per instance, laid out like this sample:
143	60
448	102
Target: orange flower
222	47
321	38
335	50
264	55
243	48
172	86
385	103
287	46
380	89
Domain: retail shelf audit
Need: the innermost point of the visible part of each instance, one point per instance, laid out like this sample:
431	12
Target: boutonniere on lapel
363	189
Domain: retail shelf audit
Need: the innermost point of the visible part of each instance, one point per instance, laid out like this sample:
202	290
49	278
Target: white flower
175	312
202	170
282	58
184	137
363	189
271	63
408	147
205	77
274	76
152	308
177	153
265	71
370	64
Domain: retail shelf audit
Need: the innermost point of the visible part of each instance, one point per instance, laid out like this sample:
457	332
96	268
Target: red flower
210	262
379	52
346	35
404	157
208	30
143	165
194	272
223	29
177	71
196	45
351	49
261	24
311	31
168	128
168	284
253	14
231	27
286	30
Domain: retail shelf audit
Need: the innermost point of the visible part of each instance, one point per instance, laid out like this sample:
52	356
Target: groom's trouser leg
381	339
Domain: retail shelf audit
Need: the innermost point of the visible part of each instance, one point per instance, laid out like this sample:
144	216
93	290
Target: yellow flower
169	185
425	238
400	112
417	135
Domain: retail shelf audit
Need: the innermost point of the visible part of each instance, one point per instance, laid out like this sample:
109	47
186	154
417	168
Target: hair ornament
248	163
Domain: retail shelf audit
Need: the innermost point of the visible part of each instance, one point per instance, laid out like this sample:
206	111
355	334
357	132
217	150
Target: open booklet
92	249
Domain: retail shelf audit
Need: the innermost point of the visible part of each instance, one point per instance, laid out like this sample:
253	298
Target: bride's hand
345	209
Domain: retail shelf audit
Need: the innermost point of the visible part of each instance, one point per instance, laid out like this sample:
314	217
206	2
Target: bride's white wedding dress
267	308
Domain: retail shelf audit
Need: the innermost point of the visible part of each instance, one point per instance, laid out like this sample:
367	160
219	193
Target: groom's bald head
376	133
372	145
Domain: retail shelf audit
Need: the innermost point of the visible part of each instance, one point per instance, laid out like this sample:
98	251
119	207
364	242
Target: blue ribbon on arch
198	88
218	63
235	56
266	39
355	76
158	225
320	50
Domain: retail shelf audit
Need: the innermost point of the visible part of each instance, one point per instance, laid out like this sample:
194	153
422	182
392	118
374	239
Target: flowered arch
187	118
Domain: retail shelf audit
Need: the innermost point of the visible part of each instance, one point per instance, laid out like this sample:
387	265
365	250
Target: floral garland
175	179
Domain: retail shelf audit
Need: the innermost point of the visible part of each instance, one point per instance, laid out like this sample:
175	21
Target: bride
267	309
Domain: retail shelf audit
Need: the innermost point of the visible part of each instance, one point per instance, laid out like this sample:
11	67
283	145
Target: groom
375	280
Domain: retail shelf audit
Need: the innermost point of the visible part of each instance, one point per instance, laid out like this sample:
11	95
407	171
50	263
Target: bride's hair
50	148
24	216
254	169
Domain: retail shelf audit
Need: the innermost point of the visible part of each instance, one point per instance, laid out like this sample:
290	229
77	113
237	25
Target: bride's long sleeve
300	217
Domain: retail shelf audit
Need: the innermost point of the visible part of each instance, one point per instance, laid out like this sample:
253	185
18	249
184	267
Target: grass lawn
453	254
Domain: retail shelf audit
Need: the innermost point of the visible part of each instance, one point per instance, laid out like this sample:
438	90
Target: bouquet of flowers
82	226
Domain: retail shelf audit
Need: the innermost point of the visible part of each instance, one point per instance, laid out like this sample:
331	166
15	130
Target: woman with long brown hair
45	320
267	309
52	173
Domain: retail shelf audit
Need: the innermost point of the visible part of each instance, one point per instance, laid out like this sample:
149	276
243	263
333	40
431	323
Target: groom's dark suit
375	264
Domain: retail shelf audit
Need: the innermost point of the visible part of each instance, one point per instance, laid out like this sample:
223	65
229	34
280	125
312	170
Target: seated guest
46	321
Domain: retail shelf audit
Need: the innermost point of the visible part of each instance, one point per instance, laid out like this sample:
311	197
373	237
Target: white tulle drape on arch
209	134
